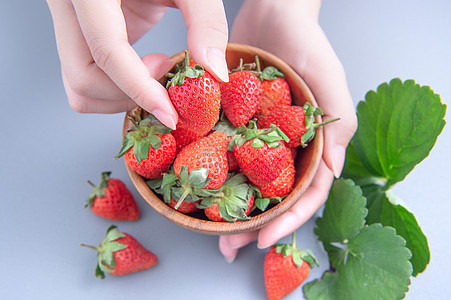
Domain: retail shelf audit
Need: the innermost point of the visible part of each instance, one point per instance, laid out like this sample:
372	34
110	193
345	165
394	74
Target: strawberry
195	95
149	147
283	184
240	96
183	191
225	126
184	136
185	207
275	91
209	152
285	267
261	153
297	122
112	200
121	254
232	201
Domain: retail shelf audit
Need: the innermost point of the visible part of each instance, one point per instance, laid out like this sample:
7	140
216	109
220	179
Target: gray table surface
48	152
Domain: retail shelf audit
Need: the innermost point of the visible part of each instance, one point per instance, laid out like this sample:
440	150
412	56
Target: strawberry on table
195	95
261	153
121	254
275	91
209	152
285	267
112	200
149	147
297	122
240	96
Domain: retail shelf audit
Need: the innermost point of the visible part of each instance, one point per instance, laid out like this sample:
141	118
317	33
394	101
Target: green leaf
141	150
271	73
344	213
262	203
154	141
374	265
257	143
398	126
354	169
385	210
198	176
326	288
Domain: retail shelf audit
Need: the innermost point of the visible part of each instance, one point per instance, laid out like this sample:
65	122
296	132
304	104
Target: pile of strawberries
234	147
233	151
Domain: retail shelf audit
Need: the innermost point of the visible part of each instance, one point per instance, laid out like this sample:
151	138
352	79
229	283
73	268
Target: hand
101	71
302	44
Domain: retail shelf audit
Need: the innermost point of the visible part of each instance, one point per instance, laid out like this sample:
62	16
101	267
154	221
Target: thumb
207	34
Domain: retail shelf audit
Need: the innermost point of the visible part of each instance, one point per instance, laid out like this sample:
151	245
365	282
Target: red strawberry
225	126
232	201
297	122
184	136
184	207
261	154
149	148
121	254
240	96
285	268
275	91
209	152
112	200
283	184
195	95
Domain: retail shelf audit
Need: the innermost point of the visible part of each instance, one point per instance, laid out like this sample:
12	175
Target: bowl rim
255	222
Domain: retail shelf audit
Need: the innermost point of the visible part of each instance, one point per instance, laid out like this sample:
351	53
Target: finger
299	213
207	34
227	251
83	76
229	244
104	30
83	104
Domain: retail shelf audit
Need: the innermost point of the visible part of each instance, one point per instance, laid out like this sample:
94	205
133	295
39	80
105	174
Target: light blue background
47	152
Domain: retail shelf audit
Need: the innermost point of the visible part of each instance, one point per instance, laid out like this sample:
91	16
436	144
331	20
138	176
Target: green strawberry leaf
257	143
386	209
262	203
198	176
398	126
369	261
373	265
141	150
344	213
271	73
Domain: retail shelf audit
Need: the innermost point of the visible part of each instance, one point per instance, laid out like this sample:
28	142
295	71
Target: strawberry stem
91	247
316	125
293	242
185	193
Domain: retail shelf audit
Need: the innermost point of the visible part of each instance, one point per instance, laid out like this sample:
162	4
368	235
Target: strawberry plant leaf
398	126
262	203
373	265
344	213
385	209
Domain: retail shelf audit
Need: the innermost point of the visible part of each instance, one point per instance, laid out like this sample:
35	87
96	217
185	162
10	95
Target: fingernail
216	61
338	159
164	118
230	260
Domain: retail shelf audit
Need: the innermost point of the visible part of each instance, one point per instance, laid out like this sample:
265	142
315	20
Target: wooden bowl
306	163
